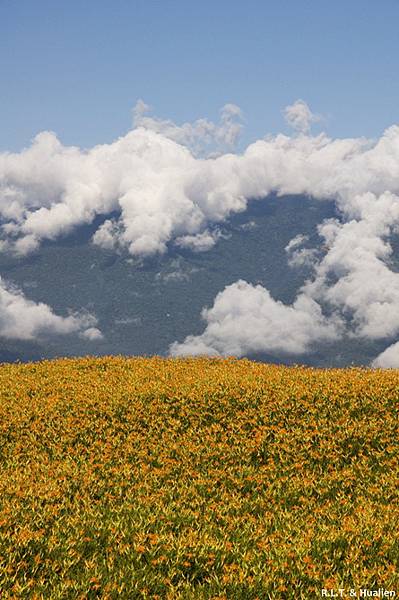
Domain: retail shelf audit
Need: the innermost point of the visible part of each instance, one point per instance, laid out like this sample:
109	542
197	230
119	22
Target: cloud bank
165	190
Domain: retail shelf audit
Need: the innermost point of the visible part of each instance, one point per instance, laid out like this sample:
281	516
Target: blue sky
77	68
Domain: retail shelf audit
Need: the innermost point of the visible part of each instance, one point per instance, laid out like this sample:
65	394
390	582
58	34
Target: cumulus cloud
355	274
22	319
300	257
246	319
92	333
389	359
300	117
201	242
164	193
296	242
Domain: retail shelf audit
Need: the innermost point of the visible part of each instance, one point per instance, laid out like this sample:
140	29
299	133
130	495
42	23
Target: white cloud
107	235
201	136
389	359
92	333
305	257
300	257
300	117
357	258
296	242
200	242
24	319
246	319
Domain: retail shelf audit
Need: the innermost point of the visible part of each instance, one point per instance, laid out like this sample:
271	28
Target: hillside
199	478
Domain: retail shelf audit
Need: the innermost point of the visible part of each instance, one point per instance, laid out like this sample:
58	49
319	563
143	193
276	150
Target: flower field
196	478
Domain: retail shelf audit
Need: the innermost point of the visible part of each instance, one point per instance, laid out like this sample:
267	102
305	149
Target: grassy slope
153	478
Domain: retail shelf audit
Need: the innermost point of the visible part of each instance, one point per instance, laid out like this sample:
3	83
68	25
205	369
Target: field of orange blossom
196	479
